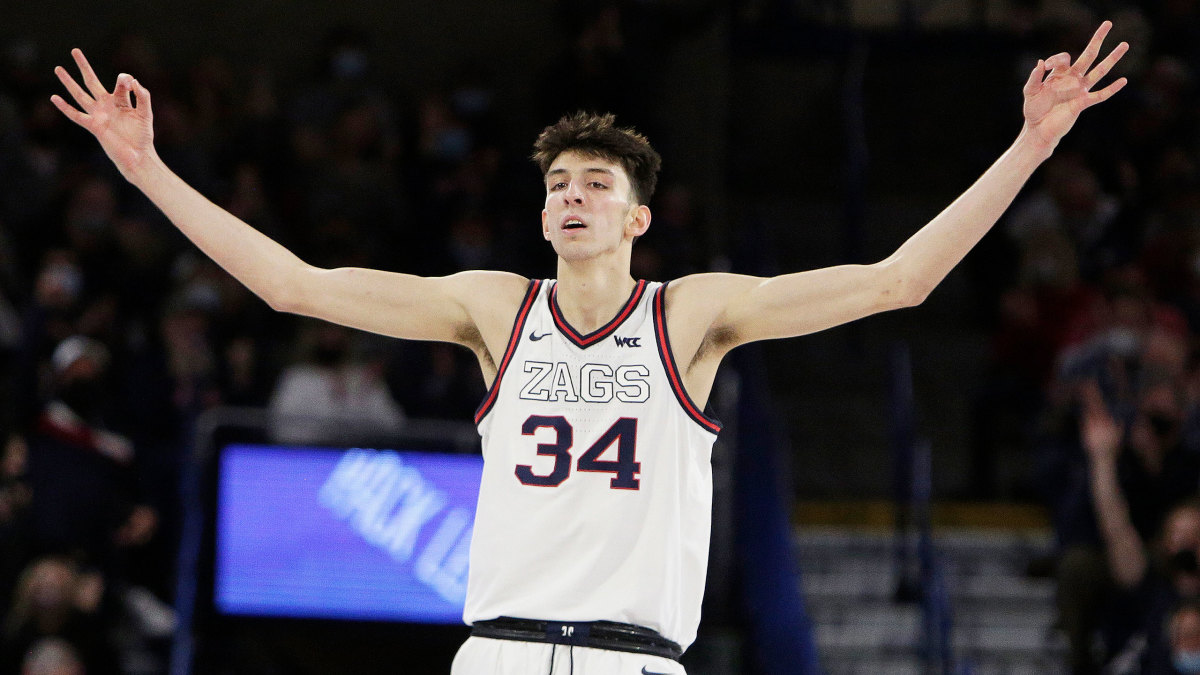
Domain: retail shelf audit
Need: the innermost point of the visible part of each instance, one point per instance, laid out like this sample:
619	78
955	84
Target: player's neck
590	294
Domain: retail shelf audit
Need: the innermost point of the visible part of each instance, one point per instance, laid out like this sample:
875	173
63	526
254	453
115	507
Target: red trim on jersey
668	359
513	339
585	341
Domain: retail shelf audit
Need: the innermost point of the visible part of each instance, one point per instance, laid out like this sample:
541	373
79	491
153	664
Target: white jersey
596	497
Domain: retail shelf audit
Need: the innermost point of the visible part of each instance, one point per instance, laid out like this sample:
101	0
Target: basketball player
592	531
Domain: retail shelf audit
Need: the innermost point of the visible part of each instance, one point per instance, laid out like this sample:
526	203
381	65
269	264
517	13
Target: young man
591	537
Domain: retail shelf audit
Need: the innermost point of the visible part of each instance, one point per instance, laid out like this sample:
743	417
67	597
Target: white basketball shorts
488	656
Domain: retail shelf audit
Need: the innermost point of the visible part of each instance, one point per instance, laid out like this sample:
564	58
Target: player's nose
573	194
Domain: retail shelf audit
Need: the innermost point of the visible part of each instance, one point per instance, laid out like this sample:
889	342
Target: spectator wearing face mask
1182	656
1156	470
82	475
1126	601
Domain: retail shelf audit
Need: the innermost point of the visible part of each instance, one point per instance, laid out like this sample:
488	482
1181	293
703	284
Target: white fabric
584	550
485	656
309	400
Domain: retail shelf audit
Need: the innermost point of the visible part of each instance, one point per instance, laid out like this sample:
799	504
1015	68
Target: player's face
589	207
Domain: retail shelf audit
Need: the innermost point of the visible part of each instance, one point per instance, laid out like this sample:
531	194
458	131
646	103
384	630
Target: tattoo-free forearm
1122	545
927	257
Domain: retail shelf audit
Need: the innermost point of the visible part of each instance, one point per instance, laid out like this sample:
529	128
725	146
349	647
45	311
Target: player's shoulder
697	308
491	299
489	286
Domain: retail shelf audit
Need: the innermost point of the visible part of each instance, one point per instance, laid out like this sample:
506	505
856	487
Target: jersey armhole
708	423
518	325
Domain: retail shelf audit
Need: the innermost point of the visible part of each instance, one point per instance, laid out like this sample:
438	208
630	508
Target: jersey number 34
625	467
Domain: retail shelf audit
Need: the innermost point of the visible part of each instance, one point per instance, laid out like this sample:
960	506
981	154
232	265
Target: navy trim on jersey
513	339
596	336
710	424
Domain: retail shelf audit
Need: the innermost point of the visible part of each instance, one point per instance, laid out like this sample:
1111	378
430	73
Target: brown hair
597	136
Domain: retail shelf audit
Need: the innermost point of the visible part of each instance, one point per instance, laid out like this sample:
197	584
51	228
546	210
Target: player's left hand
1053	102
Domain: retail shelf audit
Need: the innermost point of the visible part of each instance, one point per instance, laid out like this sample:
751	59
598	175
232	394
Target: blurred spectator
15	498
55	599
472	245
191	358
1183	630
600	68
332	392
245	380
55	307
1118	595
52	656
1069	221
436	380
674	245
86	493
88	227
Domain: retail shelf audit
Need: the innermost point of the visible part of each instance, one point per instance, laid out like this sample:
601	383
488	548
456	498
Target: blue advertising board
361	534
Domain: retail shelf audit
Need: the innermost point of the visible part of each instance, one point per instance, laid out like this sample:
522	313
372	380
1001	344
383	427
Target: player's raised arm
449	309
744	309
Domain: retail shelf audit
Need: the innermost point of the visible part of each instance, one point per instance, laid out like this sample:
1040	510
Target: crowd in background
1094	287
115	334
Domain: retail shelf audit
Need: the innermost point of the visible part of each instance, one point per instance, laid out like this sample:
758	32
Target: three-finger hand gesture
122	120
1053	102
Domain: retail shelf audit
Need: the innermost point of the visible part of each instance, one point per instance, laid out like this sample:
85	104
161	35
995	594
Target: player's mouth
572	223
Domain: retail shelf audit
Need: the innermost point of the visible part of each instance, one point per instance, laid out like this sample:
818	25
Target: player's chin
573	251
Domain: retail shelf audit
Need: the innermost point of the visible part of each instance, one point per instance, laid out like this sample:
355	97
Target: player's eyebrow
598	169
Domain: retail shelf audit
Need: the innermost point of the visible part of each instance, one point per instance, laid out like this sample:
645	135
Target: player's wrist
145	170
1034	146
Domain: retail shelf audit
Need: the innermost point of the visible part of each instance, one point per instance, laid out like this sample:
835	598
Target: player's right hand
122	120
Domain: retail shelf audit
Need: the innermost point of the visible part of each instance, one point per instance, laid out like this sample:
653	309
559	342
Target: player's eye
557	186
598	185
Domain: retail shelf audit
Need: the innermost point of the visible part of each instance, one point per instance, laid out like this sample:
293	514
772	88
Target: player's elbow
901	290
286	294
281	300
914	292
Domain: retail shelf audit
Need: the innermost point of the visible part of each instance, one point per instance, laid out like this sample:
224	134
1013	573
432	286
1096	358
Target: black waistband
620	637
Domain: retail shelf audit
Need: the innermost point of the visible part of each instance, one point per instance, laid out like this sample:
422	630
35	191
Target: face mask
471	101
1124	341
65	276
328	356
1186	662
84	397
90	222
1046	270
452	145
1183	561
349	64
1163	426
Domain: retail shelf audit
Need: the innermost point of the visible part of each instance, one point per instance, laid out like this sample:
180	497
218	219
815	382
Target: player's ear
639	221
545	230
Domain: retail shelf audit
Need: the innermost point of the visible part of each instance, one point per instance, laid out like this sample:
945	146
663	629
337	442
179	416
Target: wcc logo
627	341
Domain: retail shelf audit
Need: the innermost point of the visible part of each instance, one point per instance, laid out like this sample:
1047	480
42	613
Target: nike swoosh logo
652	672
535	338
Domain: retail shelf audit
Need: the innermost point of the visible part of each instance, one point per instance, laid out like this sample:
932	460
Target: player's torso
596	496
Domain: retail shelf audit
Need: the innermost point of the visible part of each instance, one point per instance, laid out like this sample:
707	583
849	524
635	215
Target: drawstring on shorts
570	652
